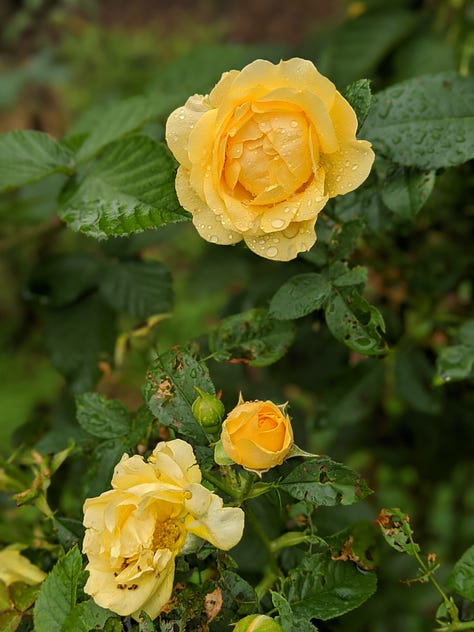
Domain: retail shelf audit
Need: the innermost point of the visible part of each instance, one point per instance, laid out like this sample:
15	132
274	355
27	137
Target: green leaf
344	277
102	417
57	596
86	616
301	295
252	337
10	621
68	531
170	393
103	459
404	190
64	278
359	96
240	592
355	543
356	323
322	481
287	618
322	588
358	45
76	336
27	156
396	529
461	578
139	288
427	122
128	189
119	119
456	362
23	596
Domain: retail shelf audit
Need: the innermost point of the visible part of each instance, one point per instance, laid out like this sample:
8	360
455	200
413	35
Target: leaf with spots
252	337
354	322
169	391
322	481
322	588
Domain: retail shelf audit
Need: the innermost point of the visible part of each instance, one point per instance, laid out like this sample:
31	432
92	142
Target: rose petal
286	244
180	124
208	519
347	168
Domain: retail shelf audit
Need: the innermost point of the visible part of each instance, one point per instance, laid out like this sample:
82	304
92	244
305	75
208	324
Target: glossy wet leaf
427	122
102	417
359	96
300	295
405	190
129	188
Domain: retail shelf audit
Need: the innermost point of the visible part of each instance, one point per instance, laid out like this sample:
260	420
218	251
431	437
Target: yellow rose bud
262	153
257	623
257	435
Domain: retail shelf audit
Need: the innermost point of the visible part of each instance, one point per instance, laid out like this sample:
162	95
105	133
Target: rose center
266	422
269	156
167	535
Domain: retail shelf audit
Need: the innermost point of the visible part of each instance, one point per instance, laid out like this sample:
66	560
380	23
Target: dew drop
347	163
213	239
277	223
287	209
294	124
338	178
181	116
272	251
354	167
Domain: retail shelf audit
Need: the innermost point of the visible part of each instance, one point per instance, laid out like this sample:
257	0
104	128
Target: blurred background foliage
401	421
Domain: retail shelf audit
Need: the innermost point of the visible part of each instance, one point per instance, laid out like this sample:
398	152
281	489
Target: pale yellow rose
15	567
135	530
262	153
257	435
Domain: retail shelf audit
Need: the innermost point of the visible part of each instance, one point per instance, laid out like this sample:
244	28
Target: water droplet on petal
354	167
277	223
294	124
338	178
347	163
287	209
181	116
213	239
272	251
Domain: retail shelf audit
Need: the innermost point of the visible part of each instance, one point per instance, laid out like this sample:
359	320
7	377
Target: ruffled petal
183	456
347	168
286	244
208	519
179	125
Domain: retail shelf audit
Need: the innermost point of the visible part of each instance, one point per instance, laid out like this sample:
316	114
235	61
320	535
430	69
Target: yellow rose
262	153
257	435
15	567
135	530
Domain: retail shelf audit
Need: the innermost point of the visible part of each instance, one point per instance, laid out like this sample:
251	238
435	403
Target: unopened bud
258	623
208	411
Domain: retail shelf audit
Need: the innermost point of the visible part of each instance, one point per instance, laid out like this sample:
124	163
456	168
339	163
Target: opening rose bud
257	435
261	155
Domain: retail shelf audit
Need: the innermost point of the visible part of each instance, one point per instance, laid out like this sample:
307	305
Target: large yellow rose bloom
262	153
135	530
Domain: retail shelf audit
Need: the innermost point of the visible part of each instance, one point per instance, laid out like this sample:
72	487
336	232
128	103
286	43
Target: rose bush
135	530
262	153
257	435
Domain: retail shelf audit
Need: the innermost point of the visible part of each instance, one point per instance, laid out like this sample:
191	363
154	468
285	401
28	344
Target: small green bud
208	411
258	623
